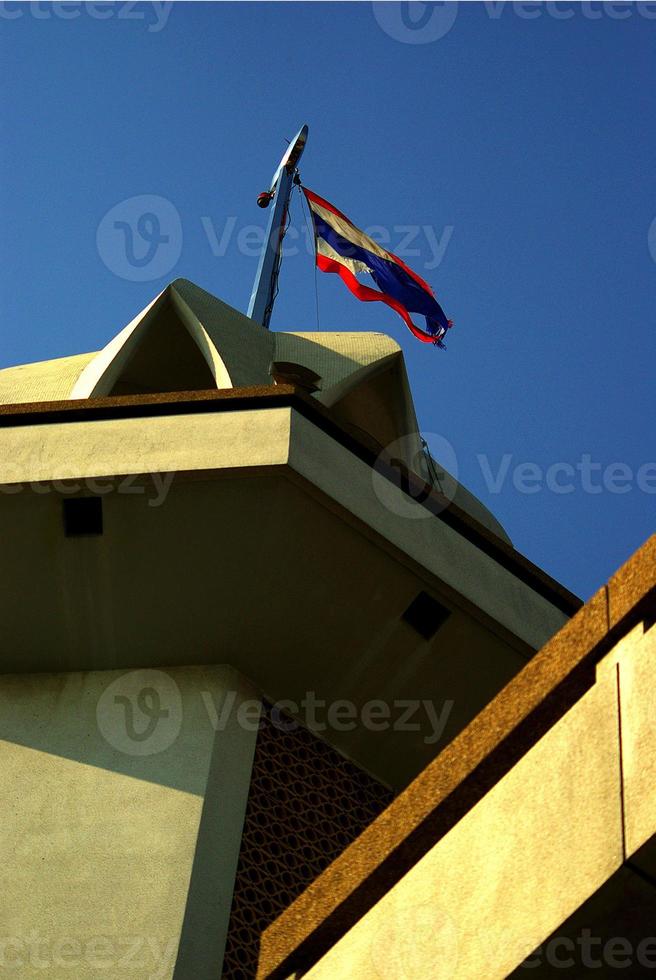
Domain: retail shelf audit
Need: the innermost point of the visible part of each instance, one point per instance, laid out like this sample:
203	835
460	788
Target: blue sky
511	146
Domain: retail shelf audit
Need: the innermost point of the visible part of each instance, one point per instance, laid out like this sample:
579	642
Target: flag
344	249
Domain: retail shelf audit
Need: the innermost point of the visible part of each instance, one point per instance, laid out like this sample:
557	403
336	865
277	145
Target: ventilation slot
83	517
426	615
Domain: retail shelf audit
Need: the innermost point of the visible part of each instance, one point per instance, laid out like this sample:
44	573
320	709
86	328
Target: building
271	698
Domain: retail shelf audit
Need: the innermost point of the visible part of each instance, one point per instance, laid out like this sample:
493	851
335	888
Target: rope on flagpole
306	214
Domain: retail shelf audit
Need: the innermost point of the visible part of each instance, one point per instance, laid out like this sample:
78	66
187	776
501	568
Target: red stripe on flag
311	196
368	295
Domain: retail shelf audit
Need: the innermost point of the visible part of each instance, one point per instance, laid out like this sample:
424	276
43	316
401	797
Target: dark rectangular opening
426	615
83	517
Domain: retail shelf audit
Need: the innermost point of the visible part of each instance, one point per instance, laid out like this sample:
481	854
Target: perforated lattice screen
306	804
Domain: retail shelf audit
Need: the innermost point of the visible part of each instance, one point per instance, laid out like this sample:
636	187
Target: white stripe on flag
349	231
323	248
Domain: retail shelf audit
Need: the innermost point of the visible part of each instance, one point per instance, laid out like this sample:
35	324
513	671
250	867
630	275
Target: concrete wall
406	524
542	841
121	814
171	580
276	437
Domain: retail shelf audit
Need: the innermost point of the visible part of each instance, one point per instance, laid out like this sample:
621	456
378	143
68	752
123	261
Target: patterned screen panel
306	804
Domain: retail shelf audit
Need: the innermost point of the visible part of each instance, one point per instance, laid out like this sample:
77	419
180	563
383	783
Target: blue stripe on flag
390	277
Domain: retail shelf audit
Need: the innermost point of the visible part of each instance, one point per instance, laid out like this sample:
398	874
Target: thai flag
344	249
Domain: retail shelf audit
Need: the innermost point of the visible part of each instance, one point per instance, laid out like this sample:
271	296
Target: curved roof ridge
51	380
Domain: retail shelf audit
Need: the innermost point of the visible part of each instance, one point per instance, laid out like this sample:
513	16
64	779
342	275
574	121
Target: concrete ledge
633	585
545	690
288	396
520	862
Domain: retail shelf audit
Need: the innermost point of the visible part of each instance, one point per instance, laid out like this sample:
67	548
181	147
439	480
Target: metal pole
266	279
263	295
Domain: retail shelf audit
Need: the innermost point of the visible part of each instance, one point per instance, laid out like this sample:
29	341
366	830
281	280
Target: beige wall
121	813
243	440
171	580
532	851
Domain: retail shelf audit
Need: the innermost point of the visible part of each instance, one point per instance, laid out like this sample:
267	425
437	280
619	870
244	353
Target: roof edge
263	396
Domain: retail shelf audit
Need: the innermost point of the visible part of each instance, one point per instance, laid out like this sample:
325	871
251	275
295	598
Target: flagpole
266	279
